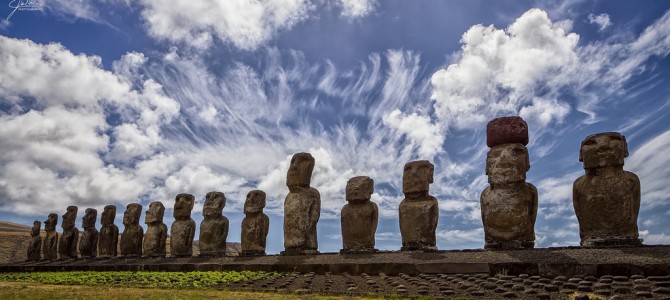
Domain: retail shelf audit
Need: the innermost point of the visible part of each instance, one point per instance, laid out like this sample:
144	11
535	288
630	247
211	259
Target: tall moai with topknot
88	244
108	237
214	226
607	198
131	238
255	224
50	244
182	231
359	217
302	207
154	242
35	246
509	203
418	211
67	245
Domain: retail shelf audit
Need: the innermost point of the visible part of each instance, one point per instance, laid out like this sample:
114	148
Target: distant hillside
15	238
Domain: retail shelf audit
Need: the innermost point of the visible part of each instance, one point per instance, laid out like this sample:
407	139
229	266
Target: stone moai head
132	215
108	215
300	172
417	176
69	217
50	223
37	225
360	188
255	202
214	204
155	213
90	216
183	205
507	163
607	149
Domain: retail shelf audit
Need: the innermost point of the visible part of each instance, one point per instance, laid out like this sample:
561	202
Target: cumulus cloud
601	20
424	135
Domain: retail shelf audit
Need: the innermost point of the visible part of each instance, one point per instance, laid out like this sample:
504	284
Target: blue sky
113	102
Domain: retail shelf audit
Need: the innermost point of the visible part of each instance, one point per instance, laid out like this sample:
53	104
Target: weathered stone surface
607	198
156	236
214	227
419	212
88	244
131	238
108	236
255	225
506	130
35	246
67	245
182	231
359	217
509	204
50	245
302	207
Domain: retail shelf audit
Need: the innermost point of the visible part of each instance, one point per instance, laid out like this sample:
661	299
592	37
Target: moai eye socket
589	142
518	151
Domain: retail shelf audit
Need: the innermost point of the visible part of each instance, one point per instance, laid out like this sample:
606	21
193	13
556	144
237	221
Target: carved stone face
255	202
36	228
90	215
50	223
300	171
108	215
507	163
69	217
605	149
155	213
132	214
214	203
183	205
417	176
360	188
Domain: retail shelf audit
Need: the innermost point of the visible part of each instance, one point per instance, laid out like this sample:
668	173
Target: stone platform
549	262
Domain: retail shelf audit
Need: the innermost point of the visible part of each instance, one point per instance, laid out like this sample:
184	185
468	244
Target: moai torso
182	231
302	207
255	225
509	204
214	227
89	238
67	246
155	238
359	217
108	236
50	244
607	198
418	212
131	238
35	247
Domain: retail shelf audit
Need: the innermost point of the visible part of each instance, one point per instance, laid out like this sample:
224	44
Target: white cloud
652	164
424	135
654	239
357	8
457	236
602	20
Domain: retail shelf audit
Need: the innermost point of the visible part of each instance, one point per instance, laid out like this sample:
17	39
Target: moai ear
581	156
625	146
432	171
488	154
527	159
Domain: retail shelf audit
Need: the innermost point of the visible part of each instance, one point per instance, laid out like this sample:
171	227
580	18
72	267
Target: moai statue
606	198
302	207
156	236
255	225
35	246
359	217
67	246
89	239
509	203
50	245
131	238
419	212
109	233
183	228
214	228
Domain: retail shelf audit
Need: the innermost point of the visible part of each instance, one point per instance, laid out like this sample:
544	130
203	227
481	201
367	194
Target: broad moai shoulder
156	236
182	231
255	225
131	238
67	245
50	243
302	207
35	246
607	198
88	244
359	217
214	226
419	211
108	236
509	203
